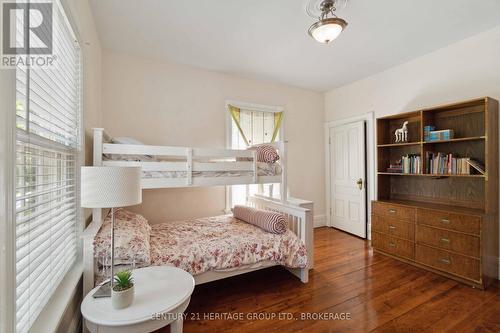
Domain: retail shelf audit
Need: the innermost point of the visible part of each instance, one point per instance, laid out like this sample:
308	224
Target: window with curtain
249	128
48	121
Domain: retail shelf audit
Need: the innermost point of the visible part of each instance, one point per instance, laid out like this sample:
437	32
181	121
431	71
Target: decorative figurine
402	133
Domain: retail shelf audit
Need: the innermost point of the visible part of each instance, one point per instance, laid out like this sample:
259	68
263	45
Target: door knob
360	183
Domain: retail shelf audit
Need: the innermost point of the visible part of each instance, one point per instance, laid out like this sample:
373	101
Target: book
412	164
476	165
427	130
440	135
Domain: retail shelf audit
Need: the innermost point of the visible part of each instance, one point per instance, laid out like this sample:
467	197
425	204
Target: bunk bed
171	167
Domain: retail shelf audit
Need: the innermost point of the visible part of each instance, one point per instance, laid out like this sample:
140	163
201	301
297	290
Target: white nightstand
162	292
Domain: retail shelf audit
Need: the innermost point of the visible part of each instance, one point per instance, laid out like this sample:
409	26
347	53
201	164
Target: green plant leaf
123	281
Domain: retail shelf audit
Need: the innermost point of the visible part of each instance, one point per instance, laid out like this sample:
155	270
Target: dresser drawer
394	211
394	227
448	240
452	221
448	262
395	246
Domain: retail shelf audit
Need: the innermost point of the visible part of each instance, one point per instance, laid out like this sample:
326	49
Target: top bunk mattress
263	169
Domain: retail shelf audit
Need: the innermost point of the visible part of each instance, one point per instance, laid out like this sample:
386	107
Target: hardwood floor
379	294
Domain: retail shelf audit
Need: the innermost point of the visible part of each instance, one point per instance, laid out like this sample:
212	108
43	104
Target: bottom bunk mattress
222	243
210	244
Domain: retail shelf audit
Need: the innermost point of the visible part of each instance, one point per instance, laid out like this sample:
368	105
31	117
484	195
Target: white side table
160	291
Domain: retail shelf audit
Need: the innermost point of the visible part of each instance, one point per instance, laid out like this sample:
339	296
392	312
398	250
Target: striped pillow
269	221
266	153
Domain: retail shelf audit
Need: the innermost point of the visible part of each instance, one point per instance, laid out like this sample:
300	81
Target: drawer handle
391	244
445	221
392	211
392	227
445	240
445	261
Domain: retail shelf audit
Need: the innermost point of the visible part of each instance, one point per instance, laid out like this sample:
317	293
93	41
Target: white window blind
47	157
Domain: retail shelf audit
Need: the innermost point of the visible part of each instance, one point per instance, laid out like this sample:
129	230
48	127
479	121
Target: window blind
47	149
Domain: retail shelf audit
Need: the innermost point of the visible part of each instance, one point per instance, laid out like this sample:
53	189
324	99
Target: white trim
319	221
7	203
369	119
52	314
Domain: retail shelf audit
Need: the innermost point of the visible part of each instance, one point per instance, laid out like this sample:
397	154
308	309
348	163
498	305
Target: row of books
411	164
437	164
441	164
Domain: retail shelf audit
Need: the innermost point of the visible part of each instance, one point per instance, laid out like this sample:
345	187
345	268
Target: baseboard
319	221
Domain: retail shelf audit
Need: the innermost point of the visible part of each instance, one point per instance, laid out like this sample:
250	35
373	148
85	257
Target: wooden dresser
447	240
445	223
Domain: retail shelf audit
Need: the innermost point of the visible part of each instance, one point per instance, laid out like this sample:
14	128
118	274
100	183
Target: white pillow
126	141
124	157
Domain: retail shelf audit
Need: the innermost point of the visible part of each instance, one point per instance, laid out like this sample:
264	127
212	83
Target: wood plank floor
380	294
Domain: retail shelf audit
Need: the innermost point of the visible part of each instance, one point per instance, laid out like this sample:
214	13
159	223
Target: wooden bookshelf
415	198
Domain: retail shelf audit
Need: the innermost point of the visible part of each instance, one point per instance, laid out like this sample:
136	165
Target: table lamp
110	187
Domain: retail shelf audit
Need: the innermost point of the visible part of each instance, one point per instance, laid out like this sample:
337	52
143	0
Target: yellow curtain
235	114
278	117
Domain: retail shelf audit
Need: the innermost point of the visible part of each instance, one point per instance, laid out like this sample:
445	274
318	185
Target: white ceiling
268	40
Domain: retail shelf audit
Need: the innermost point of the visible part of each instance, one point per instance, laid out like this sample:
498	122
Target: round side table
162	294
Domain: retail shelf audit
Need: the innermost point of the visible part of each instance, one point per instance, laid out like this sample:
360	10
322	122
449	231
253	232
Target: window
258	127
47	160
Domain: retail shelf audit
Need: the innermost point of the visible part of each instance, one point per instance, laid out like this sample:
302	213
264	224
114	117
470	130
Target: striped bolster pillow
266	153
269	221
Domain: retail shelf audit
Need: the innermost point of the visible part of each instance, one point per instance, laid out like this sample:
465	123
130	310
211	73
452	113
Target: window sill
51	316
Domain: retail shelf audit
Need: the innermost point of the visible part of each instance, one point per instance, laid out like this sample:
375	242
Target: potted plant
122	293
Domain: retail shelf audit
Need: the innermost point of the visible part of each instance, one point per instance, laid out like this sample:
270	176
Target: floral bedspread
222	242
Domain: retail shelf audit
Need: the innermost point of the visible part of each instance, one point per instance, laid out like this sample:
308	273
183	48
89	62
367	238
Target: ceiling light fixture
327	28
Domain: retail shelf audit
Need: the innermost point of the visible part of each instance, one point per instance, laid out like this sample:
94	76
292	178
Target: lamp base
103	291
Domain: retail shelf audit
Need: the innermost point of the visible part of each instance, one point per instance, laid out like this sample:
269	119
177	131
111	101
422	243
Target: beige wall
467	69
171	104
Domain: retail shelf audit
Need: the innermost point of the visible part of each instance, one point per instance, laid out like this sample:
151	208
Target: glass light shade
325	31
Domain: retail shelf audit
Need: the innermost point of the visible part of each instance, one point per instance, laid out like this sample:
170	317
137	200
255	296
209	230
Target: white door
347	178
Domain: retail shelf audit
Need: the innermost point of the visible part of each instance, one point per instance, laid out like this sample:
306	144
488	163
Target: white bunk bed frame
299	219
192	160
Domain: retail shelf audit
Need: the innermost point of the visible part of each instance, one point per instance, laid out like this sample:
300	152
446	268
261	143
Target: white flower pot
122	299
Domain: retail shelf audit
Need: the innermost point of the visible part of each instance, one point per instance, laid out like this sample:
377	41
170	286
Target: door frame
369	119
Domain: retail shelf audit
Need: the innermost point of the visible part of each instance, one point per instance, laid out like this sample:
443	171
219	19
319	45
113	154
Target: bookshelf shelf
400	174
474	138
402	144
430	175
